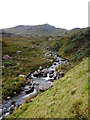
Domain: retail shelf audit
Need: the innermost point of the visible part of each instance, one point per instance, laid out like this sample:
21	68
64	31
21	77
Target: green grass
30	59
68	98
73	46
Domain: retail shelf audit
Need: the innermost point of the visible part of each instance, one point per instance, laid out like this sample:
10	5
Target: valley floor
68	98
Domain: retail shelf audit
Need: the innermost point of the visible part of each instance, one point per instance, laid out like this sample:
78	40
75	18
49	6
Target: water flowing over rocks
40	80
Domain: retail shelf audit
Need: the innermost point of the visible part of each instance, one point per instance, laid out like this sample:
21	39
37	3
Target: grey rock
7	57
35	74
29	89
45	73
8	97
45	86
51	72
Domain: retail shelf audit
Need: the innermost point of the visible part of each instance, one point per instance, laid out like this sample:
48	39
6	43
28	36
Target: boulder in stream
45	73
29	89
51	72
35	74
57	60
45	86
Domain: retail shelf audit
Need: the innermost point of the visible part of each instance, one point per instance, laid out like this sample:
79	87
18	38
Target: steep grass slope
68	98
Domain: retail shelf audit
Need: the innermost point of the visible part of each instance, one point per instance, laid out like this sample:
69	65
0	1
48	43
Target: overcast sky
59	13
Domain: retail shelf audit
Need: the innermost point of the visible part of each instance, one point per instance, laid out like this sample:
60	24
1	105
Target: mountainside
68	98
73	46
37	30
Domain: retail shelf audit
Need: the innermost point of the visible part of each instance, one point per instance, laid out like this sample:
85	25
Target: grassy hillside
29	59
68	98
73	46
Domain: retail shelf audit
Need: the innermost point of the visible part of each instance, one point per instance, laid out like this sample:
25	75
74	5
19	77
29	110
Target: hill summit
35	30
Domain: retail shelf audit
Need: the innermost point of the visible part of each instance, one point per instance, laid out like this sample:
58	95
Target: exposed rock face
45	86
7	57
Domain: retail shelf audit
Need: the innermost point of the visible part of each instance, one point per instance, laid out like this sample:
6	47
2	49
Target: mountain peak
27	30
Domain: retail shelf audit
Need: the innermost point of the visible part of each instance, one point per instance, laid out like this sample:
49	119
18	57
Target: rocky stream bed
40	80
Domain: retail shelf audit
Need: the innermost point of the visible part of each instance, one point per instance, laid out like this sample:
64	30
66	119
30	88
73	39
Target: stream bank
40	80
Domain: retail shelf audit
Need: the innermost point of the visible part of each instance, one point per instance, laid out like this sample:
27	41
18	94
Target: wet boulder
6	115
57	60
51	72
29	89
51	75
35	84
35	74
54	63
40	73
45	73
28	76
62	59
28	81
45	86
40	68
13	102
12	108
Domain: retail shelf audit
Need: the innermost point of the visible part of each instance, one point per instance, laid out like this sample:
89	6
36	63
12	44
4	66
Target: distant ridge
35	30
